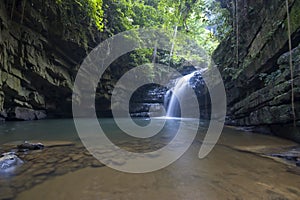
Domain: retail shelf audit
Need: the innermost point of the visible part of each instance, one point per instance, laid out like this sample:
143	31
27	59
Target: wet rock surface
43	164
225	174
30	146
61	157
9	160
292	155
289	155
147	101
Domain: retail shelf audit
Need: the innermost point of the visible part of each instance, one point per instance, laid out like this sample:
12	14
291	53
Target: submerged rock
7	193
9	160
30	146
292	155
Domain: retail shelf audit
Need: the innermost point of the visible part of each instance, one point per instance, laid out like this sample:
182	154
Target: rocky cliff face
256	68
42	45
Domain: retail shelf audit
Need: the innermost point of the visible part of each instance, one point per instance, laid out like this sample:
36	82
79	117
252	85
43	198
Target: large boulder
19	113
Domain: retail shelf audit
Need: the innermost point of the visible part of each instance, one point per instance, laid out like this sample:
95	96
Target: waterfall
176	94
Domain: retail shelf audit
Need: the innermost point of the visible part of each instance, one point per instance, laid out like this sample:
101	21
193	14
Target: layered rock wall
42	46
256	68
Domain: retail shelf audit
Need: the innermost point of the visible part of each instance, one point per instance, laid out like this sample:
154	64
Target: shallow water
230	171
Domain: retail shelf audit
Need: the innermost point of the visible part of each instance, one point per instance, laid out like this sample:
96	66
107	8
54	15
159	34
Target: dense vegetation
203	20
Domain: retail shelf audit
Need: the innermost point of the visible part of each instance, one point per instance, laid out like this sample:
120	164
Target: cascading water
176	94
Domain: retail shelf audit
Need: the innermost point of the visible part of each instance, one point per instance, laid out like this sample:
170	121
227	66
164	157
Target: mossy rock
294	17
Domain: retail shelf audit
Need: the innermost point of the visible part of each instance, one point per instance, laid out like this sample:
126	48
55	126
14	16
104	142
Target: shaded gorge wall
254	62
42	46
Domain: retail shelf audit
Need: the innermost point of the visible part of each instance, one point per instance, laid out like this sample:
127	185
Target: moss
294	17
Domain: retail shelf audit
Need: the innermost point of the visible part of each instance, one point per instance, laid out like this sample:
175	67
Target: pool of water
62	129
235	169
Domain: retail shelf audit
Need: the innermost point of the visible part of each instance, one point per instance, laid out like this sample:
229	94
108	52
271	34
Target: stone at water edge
30	146
25	114
9	160
96	164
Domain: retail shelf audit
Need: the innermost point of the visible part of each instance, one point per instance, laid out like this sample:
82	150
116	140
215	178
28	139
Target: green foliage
202	20
196	18
219	19
92	9
294	17
187	16
96	12
231	72
270	78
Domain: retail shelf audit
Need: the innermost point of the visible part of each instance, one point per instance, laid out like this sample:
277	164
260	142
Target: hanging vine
13	9
23	11
291	63
173	45
237	32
